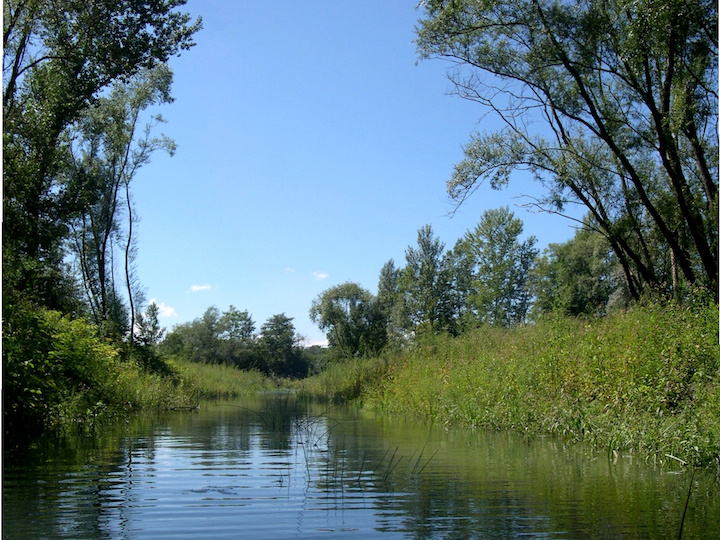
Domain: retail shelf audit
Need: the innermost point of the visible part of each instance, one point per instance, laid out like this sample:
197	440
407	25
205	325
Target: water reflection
276	468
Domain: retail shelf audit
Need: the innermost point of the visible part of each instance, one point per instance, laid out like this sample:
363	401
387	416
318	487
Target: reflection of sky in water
234	472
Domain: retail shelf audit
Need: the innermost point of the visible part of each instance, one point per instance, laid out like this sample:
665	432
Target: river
271	467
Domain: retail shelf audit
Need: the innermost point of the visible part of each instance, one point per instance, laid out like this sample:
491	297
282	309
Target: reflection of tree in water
335	463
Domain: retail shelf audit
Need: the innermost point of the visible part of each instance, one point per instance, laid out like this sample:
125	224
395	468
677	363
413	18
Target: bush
59	372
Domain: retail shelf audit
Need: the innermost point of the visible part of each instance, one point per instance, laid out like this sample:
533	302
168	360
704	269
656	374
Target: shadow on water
276	467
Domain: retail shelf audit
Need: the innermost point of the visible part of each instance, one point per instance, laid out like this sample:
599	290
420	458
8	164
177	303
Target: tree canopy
58	57
353	319
611	105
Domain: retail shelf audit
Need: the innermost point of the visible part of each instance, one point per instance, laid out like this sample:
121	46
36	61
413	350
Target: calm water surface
269	467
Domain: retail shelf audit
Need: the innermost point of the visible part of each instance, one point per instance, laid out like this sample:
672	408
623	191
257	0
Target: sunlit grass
220	381
646	380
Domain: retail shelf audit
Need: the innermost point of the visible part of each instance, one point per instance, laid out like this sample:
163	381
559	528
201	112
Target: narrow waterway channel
270	467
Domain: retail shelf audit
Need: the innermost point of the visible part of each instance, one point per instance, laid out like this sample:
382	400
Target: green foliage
482	280
278	345
577	277
107	148
610	105
501	264
355	321
220	380
76	70
149	331
57	371
346	380
58	58
237	325
229	338
421	282
646	380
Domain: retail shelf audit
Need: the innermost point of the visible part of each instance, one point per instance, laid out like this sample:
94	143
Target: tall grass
646	380
219	380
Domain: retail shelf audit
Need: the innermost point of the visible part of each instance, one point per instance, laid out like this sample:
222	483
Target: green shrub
58	372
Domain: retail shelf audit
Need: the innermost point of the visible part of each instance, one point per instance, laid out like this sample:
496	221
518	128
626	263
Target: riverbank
61	375
213	381
645	381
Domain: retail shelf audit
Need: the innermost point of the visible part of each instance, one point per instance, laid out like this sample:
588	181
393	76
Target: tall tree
150	332
59	55
421	282
237	325
501	268
391	302
457	281
278	342
109	147
610	104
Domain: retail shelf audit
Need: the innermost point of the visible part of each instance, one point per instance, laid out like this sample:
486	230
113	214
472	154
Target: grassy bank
60	374
219	381
644	381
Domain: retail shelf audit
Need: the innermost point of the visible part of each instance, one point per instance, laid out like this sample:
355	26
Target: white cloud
289	270
163	310
199	288
313	342
320	275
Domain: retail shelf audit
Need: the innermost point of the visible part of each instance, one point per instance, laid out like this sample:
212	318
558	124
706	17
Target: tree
612	105
457	282
237	345
391	303
237	325
150	333
353	318
576	277
197	340
217	338
58	57
421	283
501	267
278	343
106	156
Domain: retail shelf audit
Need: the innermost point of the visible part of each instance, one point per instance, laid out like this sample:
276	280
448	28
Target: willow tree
353	319
58	58
610	104
109	145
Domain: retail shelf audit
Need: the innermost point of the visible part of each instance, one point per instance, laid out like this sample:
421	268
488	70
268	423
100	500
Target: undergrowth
219	380
645	381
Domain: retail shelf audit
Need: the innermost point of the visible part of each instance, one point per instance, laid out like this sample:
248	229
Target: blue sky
311	148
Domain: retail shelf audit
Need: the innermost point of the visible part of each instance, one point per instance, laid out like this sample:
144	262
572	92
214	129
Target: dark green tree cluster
76	77
482	280
230	338
612	105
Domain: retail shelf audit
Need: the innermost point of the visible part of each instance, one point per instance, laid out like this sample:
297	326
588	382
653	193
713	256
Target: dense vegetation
76	78
230	339
610	337
643	380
